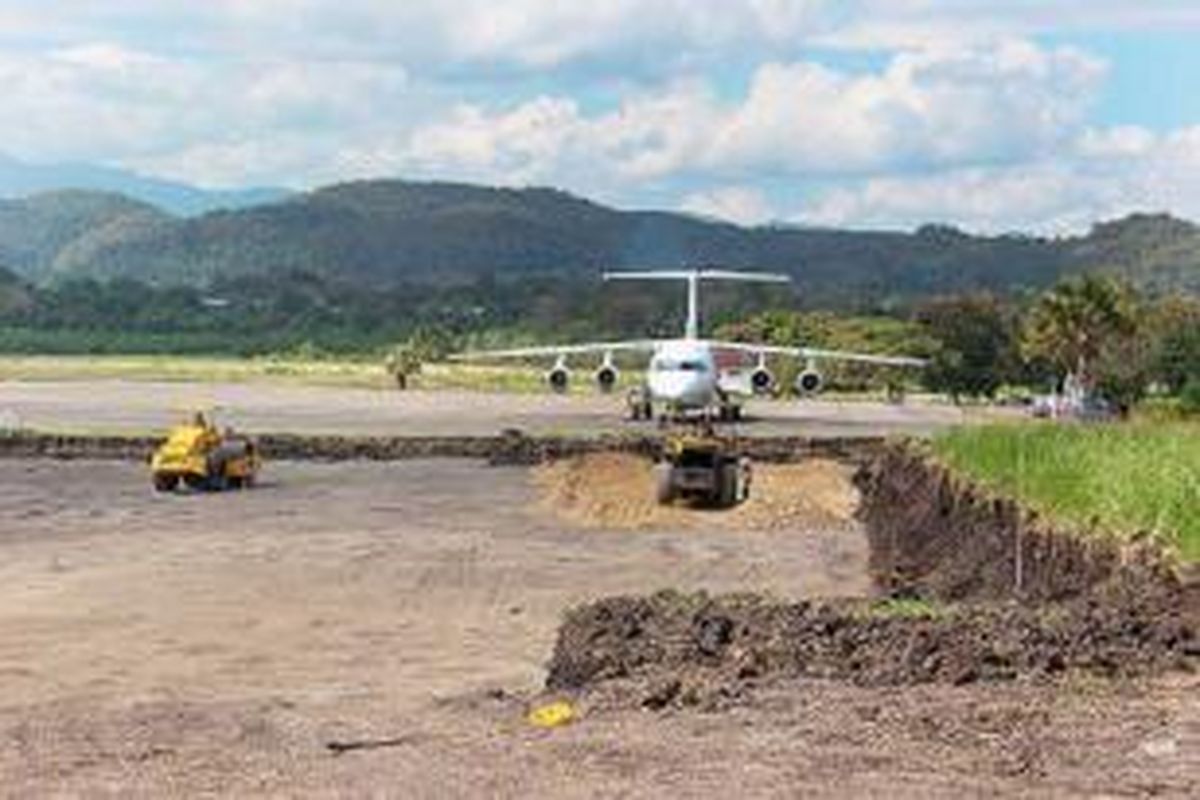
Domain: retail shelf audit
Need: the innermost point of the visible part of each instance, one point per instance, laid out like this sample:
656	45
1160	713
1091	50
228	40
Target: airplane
686	374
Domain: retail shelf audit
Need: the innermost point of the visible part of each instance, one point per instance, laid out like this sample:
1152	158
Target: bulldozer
704	469
201	457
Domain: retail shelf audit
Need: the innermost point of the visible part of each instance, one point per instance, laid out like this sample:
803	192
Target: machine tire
664	486
216	480
727	485
745	474
165	483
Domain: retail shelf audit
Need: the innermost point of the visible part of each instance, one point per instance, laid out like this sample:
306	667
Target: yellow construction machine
203	458
702	468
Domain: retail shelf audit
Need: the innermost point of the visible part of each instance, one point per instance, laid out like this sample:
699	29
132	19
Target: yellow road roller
203	458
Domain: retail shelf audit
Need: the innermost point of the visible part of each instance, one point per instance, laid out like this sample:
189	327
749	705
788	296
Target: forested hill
390	232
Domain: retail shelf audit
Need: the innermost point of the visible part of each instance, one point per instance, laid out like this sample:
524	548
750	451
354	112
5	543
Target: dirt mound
616	491
671	649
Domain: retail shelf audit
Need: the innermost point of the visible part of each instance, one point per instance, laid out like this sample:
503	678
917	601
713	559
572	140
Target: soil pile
673	649
616	491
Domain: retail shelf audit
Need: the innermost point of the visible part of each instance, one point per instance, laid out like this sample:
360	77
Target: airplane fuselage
683	374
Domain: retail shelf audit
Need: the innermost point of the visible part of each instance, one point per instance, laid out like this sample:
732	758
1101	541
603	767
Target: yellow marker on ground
552	715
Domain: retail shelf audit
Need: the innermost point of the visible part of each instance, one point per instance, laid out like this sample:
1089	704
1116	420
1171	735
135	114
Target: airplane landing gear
639	404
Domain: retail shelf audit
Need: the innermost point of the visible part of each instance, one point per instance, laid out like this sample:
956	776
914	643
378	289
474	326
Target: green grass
902	608
192	369
1140	476
362	372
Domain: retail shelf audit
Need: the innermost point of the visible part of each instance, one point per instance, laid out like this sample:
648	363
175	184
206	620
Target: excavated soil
971	588
692	649
615	491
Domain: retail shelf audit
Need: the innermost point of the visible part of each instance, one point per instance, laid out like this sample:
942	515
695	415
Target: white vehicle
685	375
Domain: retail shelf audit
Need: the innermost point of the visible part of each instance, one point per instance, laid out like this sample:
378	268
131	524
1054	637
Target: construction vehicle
702	468
203	458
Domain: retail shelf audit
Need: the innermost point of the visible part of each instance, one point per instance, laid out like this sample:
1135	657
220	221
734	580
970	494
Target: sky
1037	116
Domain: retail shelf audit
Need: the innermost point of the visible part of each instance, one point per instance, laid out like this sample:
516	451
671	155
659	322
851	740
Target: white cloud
435	34
931	109
902	24
432	35
966	120
1105	174
928	108
107	103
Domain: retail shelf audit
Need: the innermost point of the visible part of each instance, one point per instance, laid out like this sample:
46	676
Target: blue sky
995	115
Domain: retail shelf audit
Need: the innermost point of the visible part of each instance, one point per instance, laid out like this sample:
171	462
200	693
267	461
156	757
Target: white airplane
685	374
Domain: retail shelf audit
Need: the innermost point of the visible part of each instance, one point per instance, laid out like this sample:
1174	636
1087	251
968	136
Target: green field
1142	476
361	373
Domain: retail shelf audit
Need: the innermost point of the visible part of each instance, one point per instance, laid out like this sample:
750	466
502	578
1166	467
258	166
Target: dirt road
148	407
177	645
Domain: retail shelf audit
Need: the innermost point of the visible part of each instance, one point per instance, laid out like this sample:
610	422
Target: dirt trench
510	447
970	587
936	534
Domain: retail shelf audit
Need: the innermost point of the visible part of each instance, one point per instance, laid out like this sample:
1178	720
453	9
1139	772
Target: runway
137	407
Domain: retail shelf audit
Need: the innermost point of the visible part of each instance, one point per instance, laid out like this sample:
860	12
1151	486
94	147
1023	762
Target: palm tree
1072	324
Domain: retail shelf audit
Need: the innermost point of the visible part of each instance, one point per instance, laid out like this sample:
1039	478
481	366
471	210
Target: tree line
1112	341
1117	342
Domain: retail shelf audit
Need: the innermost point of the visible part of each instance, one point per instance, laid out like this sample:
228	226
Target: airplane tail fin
693	278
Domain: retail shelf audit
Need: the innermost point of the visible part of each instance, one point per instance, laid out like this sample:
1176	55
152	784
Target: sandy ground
214	644
612	490
146	407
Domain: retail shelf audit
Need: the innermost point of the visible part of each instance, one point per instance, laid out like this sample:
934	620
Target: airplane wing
555	351
818	354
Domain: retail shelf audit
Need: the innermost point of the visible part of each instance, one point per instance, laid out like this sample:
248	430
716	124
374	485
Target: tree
1073	324
1176	323
977	344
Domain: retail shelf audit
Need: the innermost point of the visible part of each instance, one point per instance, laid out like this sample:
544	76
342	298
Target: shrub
1189	397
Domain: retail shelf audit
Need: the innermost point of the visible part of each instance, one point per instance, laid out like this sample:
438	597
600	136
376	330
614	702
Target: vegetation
903	608
1087	327
1137	477
387	233
826	330
324	371
413	271
976	350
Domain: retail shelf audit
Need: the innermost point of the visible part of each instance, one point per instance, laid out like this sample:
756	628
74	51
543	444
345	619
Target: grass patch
361	373
192	369
902	608
1141	476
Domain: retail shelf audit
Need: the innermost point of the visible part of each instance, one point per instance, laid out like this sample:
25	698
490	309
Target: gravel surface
182	645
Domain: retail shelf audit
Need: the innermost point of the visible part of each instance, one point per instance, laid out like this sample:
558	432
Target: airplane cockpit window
672	365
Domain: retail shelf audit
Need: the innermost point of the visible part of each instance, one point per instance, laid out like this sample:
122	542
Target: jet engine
559	377
762	380
606	377
809	381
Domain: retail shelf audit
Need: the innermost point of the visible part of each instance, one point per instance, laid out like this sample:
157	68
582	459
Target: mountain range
391	232
21	179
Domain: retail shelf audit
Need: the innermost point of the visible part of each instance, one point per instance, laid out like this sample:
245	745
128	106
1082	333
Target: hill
19	179
389	233
37	233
